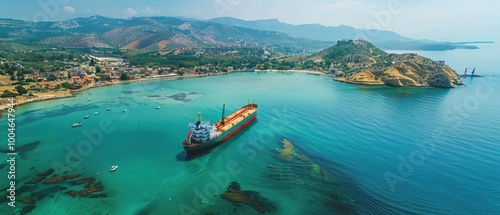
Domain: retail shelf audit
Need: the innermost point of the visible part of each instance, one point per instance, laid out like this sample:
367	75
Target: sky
457	20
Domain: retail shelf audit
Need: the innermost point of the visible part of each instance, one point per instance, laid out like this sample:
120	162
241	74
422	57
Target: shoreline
293	70
73	93
343	80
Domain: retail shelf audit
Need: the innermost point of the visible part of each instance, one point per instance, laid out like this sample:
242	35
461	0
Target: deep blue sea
357	149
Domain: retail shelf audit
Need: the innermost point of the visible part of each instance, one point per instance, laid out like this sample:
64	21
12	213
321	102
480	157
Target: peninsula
360	62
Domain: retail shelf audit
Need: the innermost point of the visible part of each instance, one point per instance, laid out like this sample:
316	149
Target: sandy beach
293	70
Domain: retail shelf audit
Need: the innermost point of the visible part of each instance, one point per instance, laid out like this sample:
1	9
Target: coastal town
38	85
30	85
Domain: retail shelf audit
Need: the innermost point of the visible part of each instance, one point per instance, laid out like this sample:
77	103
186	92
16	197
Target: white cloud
349	8
148	10
130	12
194	13
69	9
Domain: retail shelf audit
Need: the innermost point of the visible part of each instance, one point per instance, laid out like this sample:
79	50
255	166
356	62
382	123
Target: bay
359	149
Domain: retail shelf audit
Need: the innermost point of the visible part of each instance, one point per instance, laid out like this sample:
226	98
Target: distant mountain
363	63
383	39
146	33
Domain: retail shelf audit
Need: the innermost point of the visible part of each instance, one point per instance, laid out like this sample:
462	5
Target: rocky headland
360	62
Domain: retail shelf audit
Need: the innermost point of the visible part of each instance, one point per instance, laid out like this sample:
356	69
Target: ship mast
222	119
199	116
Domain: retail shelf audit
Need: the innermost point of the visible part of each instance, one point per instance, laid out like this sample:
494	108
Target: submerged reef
36	180
180	97
295	169
46	172
53	180
54	184
236	195
287	152
27	200
81	181
72	176
183	97
26	209
22	149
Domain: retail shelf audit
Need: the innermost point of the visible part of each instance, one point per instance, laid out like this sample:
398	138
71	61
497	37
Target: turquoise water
359	149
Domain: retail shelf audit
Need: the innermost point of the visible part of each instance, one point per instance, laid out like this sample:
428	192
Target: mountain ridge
103	32
382	38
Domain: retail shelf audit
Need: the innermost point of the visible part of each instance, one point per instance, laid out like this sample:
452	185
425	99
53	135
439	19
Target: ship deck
236	117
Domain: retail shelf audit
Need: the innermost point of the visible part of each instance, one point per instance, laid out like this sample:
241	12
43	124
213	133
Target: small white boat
95	113
86	117
113	168
77	124
125	110
88	99
108	109
157	107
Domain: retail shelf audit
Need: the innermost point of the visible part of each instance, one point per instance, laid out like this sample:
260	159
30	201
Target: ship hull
224	136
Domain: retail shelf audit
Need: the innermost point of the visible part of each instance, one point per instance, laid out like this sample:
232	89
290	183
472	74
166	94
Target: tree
20	75
12	77
7	93
20	90
10	70
92	62
98	69
180	73
51	78
124	76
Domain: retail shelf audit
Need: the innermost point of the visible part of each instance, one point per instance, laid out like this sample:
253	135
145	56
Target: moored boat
203	135
77	124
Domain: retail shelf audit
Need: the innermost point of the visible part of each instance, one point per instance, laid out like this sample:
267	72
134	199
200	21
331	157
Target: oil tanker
203	135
